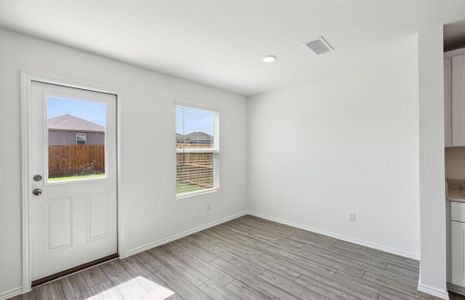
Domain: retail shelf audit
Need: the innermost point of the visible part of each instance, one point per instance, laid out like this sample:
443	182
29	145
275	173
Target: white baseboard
456	289
433	291
179	235
11	293
339	236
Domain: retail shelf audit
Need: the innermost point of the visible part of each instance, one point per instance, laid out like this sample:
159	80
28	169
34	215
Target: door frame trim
26	82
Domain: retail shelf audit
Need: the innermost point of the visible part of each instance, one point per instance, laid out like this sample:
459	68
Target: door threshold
73	270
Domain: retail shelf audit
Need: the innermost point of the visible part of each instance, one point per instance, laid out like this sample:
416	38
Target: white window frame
82	134
215	150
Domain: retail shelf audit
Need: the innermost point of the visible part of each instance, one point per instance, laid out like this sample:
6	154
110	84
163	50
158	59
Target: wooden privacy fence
70	160
195	168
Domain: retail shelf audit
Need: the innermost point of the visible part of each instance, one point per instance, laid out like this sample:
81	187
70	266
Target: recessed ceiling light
269	58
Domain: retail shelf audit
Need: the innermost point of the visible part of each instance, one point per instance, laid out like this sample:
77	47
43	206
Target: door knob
37	192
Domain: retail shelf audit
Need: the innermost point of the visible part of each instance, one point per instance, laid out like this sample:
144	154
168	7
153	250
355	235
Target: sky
91	111
190	119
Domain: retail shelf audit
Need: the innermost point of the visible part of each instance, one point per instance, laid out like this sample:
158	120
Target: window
76	139
81	138
197	150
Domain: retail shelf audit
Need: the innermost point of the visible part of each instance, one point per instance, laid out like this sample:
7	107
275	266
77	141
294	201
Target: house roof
195	136
73	123
199	136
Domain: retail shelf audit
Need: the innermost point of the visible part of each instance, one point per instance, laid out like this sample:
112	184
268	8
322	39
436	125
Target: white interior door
73	165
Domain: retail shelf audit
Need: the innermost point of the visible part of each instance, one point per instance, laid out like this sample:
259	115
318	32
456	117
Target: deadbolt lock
37	192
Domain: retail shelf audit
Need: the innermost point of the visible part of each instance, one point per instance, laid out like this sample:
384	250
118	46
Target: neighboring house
198	137
71	130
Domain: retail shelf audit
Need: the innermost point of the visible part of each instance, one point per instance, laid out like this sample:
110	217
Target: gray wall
64	137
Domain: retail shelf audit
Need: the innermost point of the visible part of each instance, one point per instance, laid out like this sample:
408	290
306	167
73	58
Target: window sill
193	194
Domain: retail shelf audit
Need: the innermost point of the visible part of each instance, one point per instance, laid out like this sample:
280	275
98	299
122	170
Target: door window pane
76	139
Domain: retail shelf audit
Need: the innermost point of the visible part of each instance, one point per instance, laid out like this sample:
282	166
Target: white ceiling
221	42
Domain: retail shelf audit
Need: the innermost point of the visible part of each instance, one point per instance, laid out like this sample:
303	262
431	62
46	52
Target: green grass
186	188
75	177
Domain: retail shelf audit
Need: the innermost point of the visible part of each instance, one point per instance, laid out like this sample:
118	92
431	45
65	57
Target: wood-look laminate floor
247	258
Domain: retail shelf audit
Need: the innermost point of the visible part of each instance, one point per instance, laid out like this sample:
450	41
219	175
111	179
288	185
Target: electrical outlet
209	206
352	217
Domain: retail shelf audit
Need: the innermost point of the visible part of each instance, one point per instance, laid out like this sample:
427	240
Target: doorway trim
26	82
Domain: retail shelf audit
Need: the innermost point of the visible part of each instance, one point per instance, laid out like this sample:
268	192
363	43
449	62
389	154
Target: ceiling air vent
320	46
